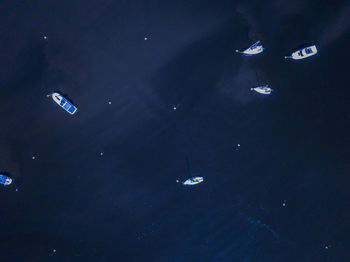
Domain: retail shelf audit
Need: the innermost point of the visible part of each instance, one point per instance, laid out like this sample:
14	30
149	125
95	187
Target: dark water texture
125	205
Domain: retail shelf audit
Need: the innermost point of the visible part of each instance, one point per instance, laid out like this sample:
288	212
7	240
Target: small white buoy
174	108
45	37
54	251
146	38
109	102
238	145
33	157
101	154
284	203
16	189
177	181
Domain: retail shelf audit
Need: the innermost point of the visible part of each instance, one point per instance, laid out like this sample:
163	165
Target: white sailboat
262	89
265	90
193	180
254	49
303	53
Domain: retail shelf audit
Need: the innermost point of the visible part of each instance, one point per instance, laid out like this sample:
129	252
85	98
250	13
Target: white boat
265	90
5	180
193	181
303	53
64	103
254	49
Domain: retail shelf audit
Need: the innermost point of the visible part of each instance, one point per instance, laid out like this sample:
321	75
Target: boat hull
193	181
303	53
264	90
249	52
255	49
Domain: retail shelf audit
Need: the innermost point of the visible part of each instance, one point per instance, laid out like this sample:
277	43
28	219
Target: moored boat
303	53
254	49
64	103
193	181
265	90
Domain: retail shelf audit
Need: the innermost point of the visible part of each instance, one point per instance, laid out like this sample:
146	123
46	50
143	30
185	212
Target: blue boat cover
3	179
66	106
72	109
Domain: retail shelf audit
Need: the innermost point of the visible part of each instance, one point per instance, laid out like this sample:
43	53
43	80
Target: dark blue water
283	195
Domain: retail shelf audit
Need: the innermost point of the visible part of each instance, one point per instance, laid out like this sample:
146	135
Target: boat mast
257	78
188	166
255	44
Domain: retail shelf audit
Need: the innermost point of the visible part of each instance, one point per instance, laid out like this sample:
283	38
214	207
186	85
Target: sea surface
101	185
